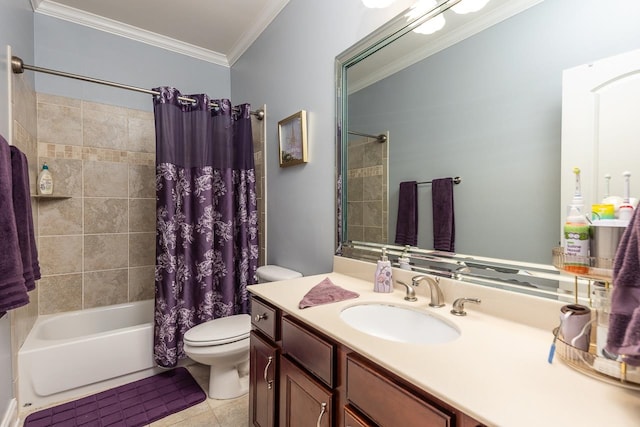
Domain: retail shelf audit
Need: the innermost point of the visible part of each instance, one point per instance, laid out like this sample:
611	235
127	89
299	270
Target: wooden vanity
495	373
301	377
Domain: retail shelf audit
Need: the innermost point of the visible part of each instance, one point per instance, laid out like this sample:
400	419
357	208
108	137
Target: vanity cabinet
263	381
300	378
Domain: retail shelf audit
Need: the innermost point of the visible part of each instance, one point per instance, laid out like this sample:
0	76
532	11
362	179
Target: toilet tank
274	273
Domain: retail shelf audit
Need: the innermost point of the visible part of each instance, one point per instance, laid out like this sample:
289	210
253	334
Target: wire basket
588	267
601	368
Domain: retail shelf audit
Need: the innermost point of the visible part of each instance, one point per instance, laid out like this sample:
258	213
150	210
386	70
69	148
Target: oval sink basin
399	324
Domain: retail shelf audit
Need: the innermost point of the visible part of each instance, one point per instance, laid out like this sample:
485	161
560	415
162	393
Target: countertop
496	371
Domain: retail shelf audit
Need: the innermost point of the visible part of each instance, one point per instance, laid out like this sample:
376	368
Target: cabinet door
263	359
304	401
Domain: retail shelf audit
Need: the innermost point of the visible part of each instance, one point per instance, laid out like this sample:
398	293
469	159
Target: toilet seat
219	331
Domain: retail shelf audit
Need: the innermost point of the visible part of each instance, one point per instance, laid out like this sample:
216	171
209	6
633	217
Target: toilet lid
219	331
274	273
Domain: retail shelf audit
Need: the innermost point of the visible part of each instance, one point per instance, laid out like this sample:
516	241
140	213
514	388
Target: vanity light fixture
468	6
377	4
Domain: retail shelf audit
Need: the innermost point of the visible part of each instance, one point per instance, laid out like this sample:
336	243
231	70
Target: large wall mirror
479	99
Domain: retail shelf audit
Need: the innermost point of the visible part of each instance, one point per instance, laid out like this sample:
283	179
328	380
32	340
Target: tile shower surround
367	195
97	247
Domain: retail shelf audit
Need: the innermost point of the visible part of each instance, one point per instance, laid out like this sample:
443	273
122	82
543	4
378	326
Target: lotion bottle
383	281
45	180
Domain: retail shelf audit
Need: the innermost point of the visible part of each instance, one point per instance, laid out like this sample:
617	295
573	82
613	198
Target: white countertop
496	371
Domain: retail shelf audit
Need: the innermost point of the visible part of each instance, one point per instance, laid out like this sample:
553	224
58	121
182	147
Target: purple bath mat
135	404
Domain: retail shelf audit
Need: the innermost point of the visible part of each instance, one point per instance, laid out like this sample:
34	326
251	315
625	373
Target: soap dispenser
383	281
404	260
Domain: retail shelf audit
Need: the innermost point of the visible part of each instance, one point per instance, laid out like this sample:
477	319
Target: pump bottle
383	281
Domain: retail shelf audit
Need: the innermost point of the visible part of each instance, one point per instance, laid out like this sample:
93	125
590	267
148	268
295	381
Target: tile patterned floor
211	412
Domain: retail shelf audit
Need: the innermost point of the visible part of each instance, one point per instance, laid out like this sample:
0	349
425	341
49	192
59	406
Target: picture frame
292	136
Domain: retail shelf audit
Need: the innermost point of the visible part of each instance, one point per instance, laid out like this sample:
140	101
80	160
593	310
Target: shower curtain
206	213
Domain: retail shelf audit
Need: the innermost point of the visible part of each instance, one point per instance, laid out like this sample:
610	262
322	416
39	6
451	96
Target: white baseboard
10	418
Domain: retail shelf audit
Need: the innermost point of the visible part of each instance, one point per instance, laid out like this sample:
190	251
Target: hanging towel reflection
407	224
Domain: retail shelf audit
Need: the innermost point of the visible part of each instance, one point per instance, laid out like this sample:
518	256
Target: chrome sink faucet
411	292
437	298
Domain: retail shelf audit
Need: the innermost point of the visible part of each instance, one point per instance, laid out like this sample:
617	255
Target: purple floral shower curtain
206	212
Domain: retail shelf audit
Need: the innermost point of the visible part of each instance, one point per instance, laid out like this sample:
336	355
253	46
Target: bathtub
76	353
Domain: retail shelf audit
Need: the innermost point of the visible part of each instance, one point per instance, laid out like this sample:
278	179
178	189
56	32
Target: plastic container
45	181
383	281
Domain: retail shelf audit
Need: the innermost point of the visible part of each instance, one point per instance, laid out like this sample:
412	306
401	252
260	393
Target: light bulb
432	25
468	6
377	4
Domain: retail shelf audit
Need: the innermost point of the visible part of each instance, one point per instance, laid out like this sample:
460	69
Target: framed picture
292	134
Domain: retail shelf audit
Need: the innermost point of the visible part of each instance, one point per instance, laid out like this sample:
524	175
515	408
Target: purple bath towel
407	224
24	218
623	337
324	293
444	231
13	292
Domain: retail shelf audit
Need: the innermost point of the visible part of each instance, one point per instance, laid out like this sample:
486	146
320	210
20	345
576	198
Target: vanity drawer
387	403
265	318
310	350
351	419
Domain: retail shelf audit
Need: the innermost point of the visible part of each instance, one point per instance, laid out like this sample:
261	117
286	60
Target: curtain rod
18	67
380	138
456	180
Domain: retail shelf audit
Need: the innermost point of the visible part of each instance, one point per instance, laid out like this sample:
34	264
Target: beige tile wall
367	199
97	246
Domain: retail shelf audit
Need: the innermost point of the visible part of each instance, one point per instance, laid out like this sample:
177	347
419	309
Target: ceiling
218	31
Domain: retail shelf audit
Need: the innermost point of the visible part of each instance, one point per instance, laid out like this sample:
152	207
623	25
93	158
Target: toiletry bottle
626	208
404	260
576	247
45	180
383	282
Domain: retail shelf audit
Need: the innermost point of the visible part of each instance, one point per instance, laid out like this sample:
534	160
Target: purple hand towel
13	292
623	337
324	293
407	224
444	231
24	218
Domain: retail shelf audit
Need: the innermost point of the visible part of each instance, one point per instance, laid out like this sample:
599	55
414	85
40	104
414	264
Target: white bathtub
76	353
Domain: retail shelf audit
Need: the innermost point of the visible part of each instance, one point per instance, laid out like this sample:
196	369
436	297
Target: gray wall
16	30
290	67
61	45
489	109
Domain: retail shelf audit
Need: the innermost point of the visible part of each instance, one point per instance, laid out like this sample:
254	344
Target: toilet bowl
223	344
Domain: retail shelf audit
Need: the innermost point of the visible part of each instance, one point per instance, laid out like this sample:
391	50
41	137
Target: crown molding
100	23
251	35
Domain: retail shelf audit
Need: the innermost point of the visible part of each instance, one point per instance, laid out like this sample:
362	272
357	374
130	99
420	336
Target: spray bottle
626	208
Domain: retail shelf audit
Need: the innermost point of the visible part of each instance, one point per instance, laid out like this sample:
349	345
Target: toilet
223	344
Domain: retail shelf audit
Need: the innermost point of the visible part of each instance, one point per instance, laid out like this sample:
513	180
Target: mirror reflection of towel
444	231
407	224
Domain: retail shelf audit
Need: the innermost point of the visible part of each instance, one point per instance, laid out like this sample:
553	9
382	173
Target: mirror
480	99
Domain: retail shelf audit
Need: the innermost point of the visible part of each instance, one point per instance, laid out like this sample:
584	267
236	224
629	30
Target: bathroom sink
400	324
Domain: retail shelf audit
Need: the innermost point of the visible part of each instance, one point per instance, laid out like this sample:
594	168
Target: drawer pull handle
266	368
259	317
322	411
